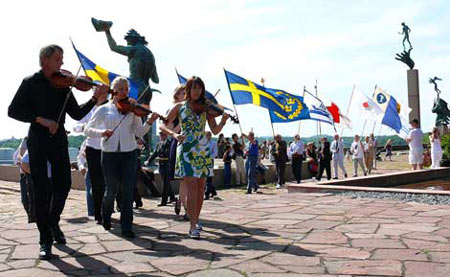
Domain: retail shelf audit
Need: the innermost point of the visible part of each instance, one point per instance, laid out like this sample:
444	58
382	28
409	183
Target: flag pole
319	127
232	99
348	107
364	127
300	121
373	128
263	81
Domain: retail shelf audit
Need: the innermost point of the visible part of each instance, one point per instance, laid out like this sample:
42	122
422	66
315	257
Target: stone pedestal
443	129
413	94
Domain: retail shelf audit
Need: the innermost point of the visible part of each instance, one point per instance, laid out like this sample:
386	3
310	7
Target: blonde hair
177	91
119	79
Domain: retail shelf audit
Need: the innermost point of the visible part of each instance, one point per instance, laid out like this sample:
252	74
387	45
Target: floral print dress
193	155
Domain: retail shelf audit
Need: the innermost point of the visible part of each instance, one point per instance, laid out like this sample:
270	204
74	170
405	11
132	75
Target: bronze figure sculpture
140	58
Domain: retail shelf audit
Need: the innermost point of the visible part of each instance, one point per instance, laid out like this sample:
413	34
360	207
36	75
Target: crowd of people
109	158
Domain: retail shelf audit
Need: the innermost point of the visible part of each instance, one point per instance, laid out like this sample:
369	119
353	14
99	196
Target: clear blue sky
289	43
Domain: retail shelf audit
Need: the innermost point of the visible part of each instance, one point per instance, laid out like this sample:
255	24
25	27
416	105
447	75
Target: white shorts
415	157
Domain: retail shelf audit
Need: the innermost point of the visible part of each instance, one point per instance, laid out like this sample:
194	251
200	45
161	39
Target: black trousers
94	163
50	196
167	188
324	165
297	168
281	168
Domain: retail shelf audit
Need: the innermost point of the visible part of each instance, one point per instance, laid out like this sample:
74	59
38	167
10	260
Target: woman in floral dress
194	162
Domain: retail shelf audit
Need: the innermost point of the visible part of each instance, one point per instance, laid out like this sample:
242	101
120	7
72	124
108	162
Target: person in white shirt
119	161
82	167
436	149
357	150
93	154
415	140
373	150
210	189
337	149
295	153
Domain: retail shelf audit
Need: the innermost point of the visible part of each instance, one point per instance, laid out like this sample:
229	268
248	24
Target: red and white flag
338	117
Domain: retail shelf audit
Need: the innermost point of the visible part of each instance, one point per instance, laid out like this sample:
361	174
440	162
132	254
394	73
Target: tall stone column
413	94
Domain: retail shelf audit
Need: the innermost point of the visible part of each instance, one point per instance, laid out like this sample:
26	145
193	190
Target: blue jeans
89	199
252	161
227	174
119	168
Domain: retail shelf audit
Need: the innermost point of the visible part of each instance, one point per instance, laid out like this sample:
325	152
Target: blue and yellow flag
101	75
244	91
294	106
208	94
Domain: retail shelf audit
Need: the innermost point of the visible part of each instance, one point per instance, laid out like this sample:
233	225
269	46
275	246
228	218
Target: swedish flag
294	105
101	75
244	91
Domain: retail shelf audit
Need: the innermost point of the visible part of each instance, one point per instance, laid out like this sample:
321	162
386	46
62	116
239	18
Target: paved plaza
266	234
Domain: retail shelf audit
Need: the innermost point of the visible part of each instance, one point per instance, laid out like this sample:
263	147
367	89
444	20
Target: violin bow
67	98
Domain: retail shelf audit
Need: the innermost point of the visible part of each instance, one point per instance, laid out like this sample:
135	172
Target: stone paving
266	234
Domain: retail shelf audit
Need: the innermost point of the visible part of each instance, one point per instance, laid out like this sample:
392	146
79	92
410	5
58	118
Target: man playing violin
42	105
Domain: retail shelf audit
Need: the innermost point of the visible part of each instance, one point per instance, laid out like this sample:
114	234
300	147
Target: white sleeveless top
436	146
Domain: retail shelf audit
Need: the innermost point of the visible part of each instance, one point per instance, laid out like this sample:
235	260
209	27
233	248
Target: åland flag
390	108
244	91
317	109
101	75
294	105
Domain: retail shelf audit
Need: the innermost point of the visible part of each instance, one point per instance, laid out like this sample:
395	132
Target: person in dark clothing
311	158
324	159
161	152
279	151
45	107
227	157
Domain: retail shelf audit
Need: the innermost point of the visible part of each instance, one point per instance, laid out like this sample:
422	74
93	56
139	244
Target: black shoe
45	252
58	235
335	178
206	197
128	234
162	204
345	175
248	192
99	222
214	194
107	224
177	206
139	204
186	217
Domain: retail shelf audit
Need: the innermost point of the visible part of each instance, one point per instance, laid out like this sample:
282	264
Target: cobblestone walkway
268	234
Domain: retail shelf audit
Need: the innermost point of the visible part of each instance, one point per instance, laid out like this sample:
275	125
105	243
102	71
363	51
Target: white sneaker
278	186
194	234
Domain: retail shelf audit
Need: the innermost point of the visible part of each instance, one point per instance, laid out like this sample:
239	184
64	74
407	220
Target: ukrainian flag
101	75
244	91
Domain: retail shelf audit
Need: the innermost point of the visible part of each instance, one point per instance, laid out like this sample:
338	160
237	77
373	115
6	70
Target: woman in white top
436	150
357	150
119	153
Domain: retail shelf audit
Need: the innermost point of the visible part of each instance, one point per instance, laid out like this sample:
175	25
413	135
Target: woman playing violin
119	162
194	162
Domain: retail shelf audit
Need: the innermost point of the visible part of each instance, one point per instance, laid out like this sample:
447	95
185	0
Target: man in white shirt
337	148
415	140
210	189
295	153
357	151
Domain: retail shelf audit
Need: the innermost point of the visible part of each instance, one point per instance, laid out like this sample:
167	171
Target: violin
126	106
65	79
212	108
